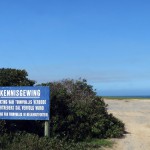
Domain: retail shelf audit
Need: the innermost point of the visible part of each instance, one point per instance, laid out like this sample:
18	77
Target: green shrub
17	77
2	127
78	114
26	141
5	140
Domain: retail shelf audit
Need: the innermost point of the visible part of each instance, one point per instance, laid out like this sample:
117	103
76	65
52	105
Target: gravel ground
136	116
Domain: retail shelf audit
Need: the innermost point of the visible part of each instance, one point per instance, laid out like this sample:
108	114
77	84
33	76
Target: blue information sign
25	103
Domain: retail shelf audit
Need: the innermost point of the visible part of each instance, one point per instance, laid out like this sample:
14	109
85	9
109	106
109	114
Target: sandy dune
136	116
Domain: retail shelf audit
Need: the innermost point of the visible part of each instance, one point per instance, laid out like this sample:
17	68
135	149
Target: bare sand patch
135	114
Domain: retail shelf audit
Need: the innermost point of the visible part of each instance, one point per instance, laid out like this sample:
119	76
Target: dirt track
136	116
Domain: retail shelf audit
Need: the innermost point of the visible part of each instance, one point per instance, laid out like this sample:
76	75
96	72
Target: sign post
25	103
47	129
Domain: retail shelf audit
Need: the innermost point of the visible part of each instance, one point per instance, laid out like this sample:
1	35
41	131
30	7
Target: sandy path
136	116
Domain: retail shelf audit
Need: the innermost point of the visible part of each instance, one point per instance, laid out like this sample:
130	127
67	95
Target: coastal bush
27	141
78	113
16	77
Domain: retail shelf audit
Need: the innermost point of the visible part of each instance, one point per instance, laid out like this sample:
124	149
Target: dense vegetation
77	114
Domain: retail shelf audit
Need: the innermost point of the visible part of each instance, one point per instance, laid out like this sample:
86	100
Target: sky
106	42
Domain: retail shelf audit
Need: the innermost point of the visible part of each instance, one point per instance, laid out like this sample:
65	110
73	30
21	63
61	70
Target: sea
140	97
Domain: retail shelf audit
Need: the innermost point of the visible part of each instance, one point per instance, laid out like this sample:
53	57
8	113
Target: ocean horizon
129	96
